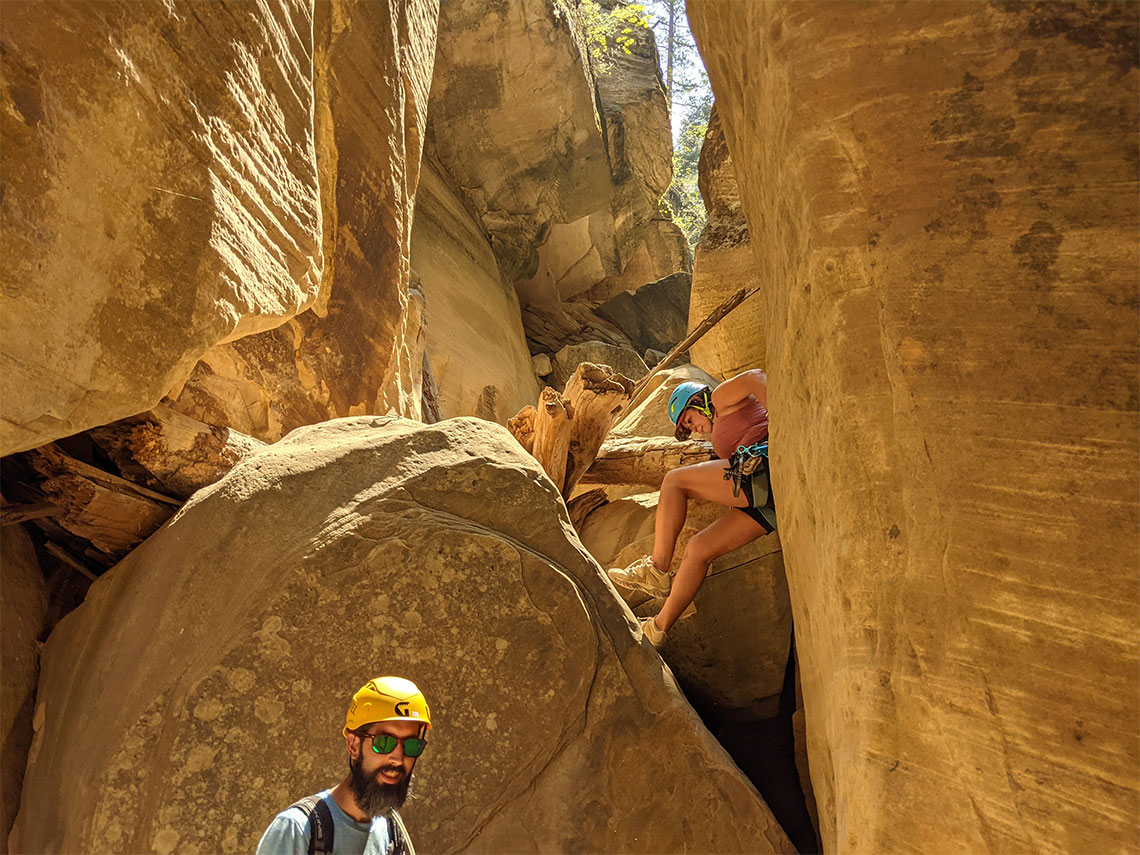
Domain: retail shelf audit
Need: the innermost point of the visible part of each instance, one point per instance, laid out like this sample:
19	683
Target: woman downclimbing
736	415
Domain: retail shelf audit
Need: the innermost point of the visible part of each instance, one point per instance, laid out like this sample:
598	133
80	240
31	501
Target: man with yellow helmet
385	731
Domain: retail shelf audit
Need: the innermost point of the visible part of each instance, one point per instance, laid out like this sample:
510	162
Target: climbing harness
743	463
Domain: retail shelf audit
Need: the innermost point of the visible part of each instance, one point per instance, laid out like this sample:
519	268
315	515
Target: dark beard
375	797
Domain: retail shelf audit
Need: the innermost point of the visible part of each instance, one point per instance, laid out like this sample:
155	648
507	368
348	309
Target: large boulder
231	640
731	655
360	349
160	196
723	263
475	339
23	610
655	316
943	203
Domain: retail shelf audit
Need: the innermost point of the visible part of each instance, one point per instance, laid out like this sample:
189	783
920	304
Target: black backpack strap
399	841
320	819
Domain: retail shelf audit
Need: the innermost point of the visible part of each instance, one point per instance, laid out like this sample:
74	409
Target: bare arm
729	394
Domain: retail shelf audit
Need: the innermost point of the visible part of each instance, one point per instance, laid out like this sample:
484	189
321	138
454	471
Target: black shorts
761	503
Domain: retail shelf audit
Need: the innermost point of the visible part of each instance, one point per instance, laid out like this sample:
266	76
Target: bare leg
699	481
730	532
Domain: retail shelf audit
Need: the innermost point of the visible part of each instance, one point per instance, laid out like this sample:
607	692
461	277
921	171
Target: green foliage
683	195
609	31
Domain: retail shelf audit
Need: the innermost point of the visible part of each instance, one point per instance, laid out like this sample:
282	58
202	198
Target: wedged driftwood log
596	394
111	513
565	431
643	460
584	504
171	452
552	428
522	427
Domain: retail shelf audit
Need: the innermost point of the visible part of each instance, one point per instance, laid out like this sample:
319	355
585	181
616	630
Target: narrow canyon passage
359	342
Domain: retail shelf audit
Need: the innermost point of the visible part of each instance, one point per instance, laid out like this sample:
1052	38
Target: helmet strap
705	407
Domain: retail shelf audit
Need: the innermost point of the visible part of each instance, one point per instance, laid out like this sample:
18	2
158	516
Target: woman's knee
674	480
700	549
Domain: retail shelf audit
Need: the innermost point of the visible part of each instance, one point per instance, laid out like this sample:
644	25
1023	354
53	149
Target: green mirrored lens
384	743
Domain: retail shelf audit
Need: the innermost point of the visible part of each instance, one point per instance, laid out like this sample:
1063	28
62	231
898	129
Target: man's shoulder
289	830
300	811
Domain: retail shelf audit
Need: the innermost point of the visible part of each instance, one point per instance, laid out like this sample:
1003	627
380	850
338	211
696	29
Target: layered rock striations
441	552
475	341
360	349
722	264
180	182
160	197
942	200
562	163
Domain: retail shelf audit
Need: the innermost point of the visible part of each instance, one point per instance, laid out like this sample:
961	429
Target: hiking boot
643	575
656	636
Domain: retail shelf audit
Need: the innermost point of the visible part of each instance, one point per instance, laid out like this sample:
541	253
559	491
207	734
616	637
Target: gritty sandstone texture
475	340
732	653
160	196
562	165
360	349
723	262
232	638
942	200
23	610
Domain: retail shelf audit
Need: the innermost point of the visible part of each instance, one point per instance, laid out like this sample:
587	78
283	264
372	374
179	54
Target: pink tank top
745	426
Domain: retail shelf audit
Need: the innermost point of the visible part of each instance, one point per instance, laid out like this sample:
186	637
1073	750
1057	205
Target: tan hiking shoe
656	636
643	575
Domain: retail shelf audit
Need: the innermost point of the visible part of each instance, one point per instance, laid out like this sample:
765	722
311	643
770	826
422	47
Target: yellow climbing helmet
386	699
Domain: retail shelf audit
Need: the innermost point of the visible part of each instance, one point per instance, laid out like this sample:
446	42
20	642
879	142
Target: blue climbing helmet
689	394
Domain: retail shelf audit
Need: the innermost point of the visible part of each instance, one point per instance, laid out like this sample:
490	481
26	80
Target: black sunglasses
385	743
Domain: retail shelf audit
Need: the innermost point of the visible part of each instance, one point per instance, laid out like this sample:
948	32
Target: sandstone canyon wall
360	348
942	201
562	162
722	263
160	196
475	342
225	644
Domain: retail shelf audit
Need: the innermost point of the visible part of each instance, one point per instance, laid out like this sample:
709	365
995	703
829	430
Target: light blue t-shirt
288	834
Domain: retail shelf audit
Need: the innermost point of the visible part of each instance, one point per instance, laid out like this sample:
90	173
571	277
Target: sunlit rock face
731	655
475	340
360	350
942	200
441	553
160	196
563	162
722	264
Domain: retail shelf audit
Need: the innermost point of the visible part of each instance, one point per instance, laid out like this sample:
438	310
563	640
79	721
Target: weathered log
16	514
522	427
643	460
172	452
552	431
596	394
110	512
